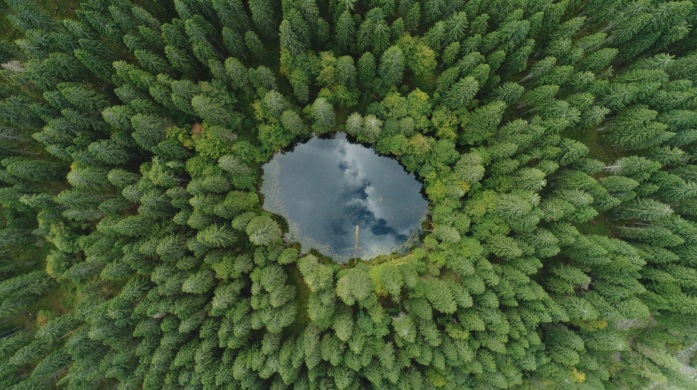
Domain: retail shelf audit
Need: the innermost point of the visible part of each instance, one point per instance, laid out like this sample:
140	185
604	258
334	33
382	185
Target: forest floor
54	8
598	150
599	225
57	299
302	297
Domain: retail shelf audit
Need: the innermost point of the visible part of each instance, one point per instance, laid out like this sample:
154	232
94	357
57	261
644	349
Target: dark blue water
326	187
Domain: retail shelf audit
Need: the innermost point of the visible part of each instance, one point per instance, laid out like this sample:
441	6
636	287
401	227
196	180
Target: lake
324	188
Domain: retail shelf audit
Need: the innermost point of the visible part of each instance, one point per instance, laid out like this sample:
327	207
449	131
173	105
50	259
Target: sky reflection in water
325	187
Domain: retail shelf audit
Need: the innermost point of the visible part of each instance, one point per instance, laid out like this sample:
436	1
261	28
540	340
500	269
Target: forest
556	141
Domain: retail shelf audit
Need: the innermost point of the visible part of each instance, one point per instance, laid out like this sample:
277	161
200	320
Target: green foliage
216	236
391	68
263	230
323	116
316	276
555	142
354	285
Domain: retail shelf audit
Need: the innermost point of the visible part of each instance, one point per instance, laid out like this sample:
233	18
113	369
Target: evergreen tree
391	69
323	115
554	142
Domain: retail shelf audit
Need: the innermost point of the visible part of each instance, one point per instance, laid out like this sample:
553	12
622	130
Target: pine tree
211	110
293	34
391	69
553	142
461	93
323	115
263	230
263	16
354	285
216	236
316	276
345	32
148	130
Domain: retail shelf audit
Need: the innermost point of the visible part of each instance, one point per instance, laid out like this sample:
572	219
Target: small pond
329	188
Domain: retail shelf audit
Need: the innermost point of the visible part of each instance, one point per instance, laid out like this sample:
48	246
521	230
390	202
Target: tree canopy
556	142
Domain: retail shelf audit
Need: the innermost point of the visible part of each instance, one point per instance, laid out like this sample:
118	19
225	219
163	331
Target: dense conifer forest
556	141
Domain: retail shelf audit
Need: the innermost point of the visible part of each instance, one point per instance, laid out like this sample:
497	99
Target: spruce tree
554	142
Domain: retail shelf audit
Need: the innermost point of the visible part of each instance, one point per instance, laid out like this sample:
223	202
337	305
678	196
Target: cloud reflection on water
326	187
